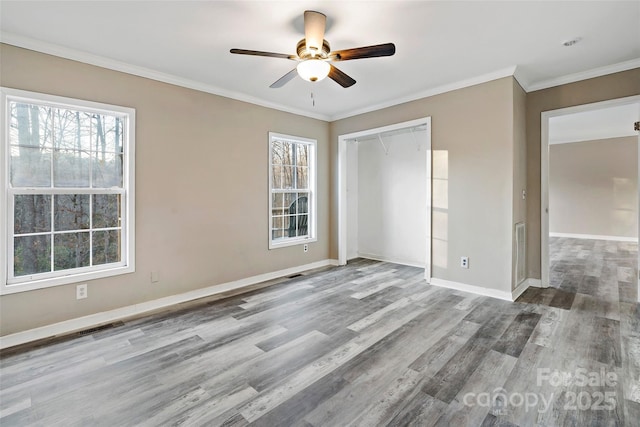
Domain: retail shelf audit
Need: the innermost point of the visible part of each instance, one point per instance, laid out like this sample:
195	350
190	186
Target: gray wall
593	187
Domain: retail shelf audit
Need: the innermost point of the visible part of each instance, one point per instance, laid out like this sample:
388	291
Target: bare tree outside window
66	180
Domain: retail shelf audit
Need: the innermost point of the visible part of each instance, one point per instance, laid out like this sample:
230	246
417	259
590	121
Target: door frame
544	174
342	185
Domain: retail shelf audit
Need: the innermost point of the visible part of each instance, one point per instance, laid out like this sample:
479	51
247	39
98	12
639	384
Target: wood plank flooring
368	344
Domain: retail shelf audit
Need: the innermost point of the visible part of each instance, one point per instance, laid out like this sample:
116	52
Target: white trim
519	290
342	200
520	257
595	237
535	283
112	64
391	260
461	84
85	322
478	290
4	199
342	185
544	173
312	190
630	133
584	75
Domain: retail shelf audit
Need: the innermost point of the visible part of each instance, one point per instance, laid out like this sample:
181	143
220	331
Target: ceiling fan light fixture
313	70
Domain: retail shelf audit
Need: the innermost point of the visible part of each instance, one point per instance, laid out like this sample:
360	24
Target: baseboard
536	283
519	290
478	290
90	321
391	260
595	237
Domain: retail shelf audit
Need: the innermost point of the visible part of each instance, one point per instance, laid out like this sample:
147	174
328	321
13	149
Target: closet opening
384	180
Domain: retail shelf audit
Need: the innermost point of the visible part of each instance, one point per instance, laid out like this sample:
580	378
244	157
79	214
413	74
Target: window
68	205
292	186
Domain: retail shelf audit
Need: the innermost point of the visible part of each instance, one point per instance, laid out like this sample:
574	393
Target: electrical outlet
305	247
464	262
81	291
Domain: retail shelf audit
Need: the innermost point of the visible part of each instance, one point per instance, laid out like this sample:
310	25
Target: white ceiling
440	45
611	122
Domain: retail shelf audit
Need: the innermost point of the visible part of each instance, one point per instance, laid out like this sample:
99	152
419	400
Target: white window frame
10	285
312	206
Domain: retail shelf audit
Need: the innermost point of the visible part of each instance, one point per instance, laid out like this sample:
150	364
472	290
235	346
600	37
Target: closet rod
413	135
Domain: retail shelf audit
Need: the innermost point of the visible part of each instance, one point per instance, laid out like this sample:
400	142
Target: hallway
594	295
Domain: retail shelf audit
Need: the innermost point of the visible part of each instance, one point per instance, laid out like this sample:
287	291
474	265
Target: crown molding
584	75
505	72
112	64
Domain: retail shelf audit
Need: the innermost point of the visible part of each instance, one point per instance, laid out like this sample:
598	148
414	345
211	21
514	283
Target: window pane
70	250
276	153
71	212
302	158
277	204
106	210
106	247
301	225
32	254
107	170
291	225
303	177
277	227
288	177
31	213
30	167
289	198
287	153
70	168
301	204
72	130
107	134
276	173
30	125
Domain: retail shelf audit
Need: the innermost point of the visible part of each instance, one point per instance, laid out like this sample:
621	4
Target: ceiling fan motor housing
303	53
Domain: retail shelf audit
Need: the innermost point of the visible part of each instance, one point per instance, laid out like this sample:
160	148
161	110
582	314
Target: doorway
594	216
384	180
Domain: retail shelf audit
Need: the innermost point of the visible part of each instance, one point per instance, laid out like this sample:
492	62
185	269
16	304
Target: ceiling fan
314	54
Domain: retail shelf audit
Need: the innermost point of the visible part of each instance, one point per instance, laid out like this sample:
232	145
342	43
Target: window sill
15	288
291	242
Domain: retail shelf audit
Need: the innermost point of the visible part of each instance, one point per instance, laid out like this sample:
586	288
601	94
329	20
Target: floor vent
99	328
294	276
521	247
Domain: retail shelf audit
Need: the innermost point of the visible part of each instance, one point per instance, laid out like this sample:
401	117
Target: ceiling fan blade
260	53
341	78
284	79
386	49
314	25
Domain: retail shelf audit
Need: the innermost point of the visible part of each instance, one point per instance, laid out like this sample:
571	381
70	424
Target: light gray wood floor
367	344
